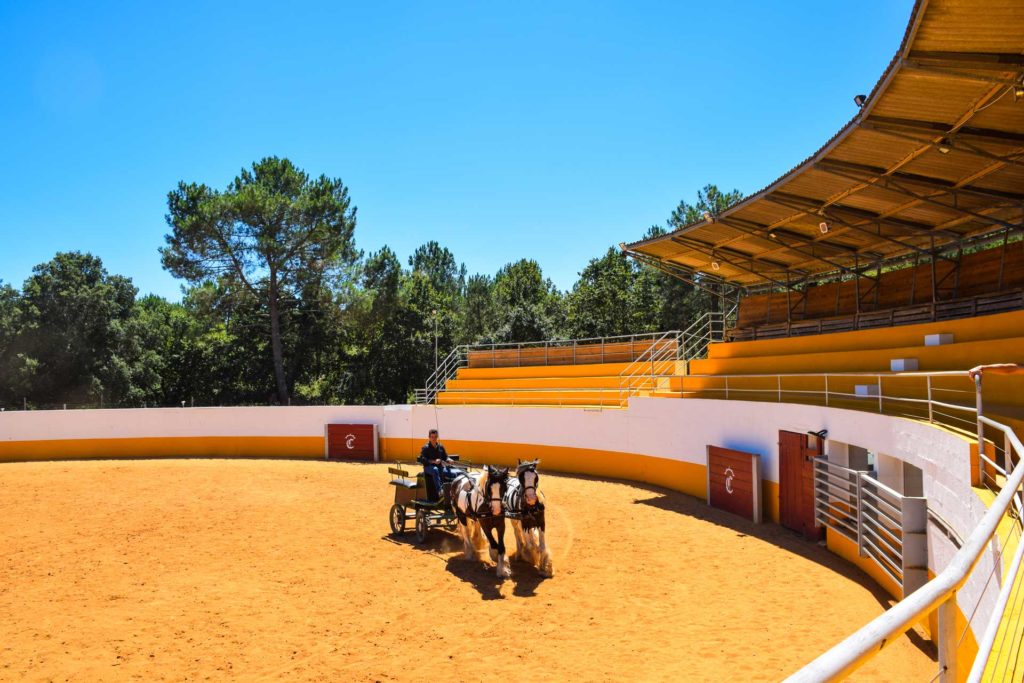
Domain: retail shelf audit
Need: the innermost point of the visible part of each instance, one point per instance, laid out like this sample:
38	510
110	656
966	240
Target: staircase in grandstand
594	372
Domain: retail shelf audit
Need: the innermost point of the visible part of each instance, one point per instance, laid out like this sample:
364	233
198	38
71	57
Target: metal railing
999	649
946	398
659	360
888	527
705	330
609	349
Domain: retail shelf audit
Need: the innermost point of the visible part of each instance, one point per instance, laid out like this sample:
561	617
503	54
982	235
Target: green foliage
275	234
77	340
281	307
529	306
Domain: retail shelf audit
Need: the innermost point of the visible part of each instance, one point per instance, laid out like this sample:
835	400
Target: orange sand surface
266	570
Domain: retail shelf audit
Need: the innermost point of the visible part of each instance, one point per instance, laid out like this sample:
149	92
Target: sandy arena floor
260	570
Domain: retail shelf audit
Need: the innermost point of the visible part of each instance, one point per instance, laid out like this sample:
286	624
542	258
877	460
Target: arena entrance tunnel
234	547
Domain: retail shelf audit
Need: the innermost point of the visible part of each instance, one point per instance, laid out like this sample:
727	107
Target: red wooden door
796	483
351	442
733	482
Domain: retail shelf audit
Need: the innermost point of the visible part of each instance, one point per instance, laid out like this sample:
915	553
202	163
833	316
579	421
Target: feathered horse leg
545	565
503	570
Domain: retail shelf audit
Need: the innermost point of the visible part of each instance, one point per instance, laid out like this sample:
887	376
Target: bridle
521	475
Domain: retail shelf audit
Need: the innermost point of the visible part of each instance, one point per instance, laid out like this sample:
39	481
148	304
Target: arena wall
656	441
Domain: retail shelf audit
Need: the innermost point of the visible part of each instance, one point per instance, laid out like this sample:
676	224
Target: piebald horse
524	504
477	502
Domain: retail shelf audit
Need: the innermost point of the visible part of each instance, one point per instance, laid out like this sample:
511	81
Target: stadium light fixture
772	235
823	226
1018	89
944	145
715	265
859	100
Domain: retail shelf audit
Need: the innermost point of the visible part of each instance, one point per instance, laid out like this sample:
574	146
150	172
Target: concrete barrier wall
657	441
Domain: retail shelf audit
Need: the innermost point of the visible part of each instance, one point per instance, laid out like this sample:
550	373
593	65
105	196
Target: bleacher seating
584	384
987	282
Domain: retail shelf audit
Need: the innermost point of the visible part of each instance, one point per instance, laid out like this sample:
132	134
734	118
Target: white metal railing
888	527
704	331
659	359
1000	635
946	398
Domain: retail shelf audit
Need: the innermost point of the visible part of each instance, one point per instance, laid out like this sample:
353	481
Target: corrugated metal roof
936	154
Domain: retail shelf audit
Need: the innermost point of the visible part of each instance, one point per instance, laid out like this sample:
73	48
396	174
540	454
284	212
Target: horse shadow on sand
525	578
477	573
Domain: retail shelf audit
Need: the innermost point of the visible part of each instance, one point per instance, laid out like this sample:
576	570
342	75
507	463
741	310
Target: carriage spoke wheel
397	519
422	525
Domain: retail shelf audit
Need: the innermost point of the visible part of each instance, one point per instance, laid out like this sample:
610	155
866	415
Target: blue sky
503	130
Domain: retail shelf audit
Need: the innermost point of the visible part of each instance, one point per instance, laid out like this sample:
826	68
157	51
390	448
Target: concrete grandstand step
589	370
979	328
959	356
530	397
611	382
903	365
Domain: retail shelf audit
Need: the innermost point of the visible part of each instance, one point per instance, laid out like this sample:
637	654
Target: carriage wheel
422	525
397	518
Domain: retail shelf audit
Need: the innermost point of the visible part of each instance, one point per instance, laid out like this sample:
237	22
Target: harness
483	510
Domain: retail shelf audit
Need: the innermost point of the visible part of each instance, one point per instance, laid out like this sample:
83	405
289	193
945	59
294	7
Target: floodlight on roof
859	100
715	265
823	226
1018	89
945	145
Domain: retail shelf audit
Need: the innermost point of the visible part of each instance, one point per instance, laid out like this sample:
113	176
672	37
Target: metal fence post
947	639
778	385
826	391
931	408
858	477
978	407
879	393
727	387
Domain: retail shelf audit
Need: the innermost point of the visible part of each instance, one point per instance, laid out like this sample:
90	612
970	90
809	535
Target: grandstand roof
934	155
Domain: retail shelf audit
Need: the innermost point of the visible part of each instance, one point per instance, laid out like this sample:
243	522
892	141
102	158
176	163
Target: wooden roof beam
714	255
888	183
992	135
863	171
991	61
810	254
815	206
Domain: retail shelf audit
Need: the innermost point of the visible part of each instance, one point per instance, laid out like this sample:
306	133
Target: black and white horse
524	504
476	499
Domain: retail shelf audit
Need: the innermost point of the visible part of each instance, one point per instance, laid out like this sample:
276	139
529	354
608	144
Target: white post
727	387
947	640
931	409
879	393
826	391
977	405
778	384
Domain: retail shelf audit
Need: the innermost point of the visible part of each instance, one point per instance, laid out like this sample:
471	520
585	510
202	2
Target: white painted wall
42	425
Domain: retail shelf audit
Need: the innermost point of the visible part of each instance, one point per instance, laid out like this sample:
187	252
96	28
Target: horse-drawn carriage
477	509
415	501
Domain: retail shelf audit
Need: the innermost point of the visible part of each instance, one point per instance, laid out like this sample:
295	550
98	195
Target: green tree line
281	307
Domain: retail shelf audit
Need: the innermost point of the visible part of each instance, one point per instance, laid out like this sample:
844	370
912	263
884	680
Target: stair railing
663	353
445	371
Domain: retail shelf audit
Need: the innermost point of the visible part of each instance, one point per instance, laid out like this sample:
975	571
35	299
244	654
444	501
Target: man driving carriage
434	458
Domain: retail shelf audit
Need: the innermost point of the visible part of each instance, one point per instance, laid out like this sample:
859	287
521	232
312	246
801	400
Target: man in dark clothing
434	457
